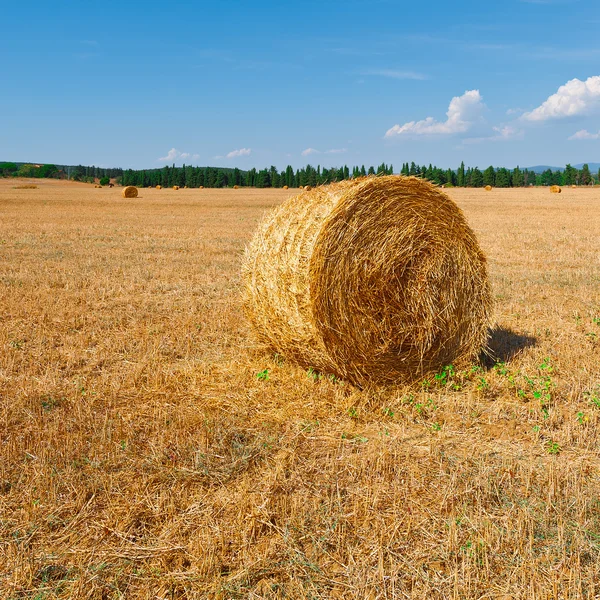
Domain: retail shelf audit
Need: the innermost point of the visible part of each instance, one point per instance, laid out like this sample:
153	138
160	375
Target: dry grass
142	457
25	186
423	303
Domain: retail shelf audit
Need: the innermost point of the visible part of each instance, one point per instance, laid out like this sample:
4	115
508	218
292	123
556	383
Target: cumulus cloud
502	134
240	152
576	97
463	112
584	134
174	155
309	151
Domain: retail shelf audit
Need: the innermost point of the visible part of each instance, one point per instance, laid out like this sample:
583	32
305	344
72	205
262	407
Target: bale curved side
130	192
376	280
488	188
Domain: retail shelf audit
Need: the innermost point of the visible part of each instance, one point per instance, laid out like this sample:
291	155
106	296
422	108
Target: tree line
218	177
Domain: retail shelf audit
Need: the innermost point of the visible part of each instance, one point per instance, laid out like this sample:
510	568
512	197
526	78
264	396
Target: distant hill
541	168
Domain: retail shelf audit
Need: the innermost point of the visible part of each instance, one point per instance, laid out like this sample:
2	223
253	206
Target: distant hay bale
488	188
574	186
307	188
159	187
555	189
130	192
236	187
201	187
175	187
374	280
285	187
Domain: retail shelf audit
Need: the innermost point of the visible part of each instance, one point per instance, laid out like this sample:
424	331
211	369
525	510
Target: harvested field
148	450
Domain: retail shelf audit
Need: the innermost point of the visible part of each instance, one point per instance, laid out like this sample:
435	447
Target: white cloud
394	74
464	111
309	151
576	97
174	155
240	152
584	134
337	151
502	134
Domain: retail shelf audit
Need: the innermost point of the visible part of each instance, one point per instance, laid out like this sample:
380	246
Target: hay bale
488	188
307	188
374	280
555	189
130	192
175	187
159	187
236	187
201	187
285	187
574	187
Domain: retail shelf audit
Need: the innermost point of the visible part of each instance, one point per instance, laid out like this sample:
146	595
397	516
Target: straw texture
130	192
376	280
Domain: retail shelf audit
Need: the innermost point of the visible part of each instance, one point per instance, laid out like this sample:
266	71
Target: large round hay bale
201	187
236	187
159	187
555	189
285	187
377	279
488	188
175	187
130	192
307	188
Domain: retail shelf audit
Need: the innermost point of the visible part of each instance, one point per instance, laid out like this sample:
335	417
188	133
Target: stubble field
142	457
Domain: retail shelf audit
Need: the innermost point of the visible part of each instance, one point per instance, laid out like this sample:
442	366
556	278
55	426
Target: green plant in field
596	320
593	396
444	375
582	418
482	384
388	412
313	374
49	402
352	412
263	375
553	447
436	427
501	368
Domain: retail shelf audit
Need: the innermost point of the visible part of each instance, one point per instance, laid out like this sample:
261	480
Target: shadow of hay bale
504	344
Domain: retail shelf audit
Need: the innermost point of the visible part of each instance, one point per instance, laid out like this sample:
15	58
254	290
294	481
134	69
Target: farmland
148	449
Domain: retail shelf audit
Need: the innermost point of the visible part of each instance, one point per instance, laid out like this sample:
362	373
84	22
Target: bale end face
130	192
175	187
555	189
159	187
488	188
376	280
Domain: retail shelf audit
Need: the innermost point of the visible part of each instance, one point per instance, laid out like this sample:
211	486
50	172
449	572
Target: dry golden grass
142	457
25	186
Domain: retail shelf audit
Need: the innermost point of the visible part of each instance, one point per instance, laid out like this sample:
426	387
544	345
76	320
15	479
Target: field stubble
148	450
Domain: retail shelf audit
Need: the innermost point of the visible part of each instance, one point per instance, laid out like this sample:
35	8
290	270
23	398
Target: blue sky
329	82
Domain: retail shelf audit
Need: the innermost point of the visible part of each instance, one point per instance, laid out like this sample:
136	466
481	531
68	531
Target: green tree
585	177
104	180
460	175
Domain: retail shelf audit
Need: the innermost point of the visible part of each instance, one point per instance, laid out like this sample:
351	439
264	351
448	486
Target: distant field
142	457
